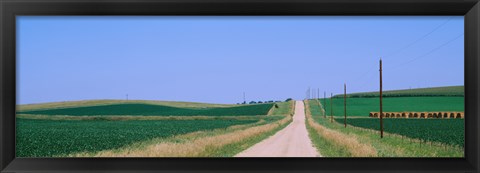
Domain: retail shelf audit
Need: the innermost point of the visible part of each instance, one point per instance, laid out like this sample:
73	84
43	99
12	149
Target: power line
421	38
429	52
414	59
370	69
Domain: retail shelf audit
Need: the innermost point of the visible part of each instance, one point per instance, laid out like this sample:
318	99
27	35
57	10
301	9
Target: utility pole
345	103
381	110
306	94
324	104
244	101
318	93
331	107
312	94
309	92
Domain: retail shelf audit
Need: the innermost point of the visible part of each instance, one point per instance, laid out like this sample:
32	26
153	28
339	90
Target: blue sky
216	59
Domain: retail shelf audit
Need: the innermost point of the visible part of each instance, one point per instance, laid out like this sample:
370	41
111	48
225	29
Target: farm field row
93	129
455	91
45	138
84	103
335	140
132	109
363	106
446	131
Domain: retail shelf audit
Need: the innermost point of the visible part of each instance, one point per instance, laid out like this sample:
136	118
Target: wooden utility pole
309	91
381	106
244	101
313	93
318	93
331	107
324	104
345	103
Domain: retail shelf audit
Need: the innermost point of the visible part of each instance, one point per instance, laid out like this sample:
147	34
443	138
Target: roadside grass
214	143
332	143
391	145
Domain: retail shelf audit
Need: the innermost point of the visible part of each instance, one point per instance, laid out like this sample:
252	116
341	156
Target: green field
83	103
150	109
392	145
455	91
46	138
447	131
282	108
363	106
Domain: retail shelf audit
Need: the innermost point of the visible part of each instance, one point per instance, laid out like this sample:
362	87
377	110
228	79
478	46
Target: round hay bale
410	115
375	115
452	115
370	114
439	115
422	115
399	115
430	115
404	115
445	115
416	115
462	114
458	115
434	115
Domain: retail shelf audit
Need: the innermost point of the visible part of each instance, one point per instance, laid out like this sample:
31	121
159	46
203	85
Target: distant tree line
260	102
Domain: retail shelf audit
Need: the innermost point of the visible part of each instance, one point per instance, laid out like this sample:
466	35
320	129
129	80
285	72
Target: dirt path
292	141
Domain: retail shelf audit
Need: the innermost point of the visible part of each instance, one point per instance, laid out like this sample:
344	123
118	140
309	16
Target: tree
288	99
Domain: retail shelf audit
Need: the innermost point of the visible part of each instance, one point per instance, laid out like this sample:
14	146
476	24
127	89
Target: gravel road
292	141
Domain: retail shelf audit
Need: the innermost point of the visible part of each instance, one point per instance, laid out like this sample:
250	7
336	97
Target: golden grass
350	142
196	144
129	117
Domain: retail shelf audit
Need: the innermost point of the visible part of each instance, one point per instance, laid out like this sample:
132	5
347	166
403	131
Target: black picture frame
470	9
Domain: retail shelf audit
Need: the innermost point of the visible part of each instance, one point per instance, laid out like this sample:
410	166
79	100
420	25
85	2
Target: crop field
447	131
46	138
455	91
84	103
157	110
363	106
282	108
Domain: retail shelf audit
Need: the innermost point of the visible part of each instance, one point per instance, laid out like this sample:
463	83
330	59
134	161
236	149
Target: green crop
46	138
447	131
363	106
457	91
147	109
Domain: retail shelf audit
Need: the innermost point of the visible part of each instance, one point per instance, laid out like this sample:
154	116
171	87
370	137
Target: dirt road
292	141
